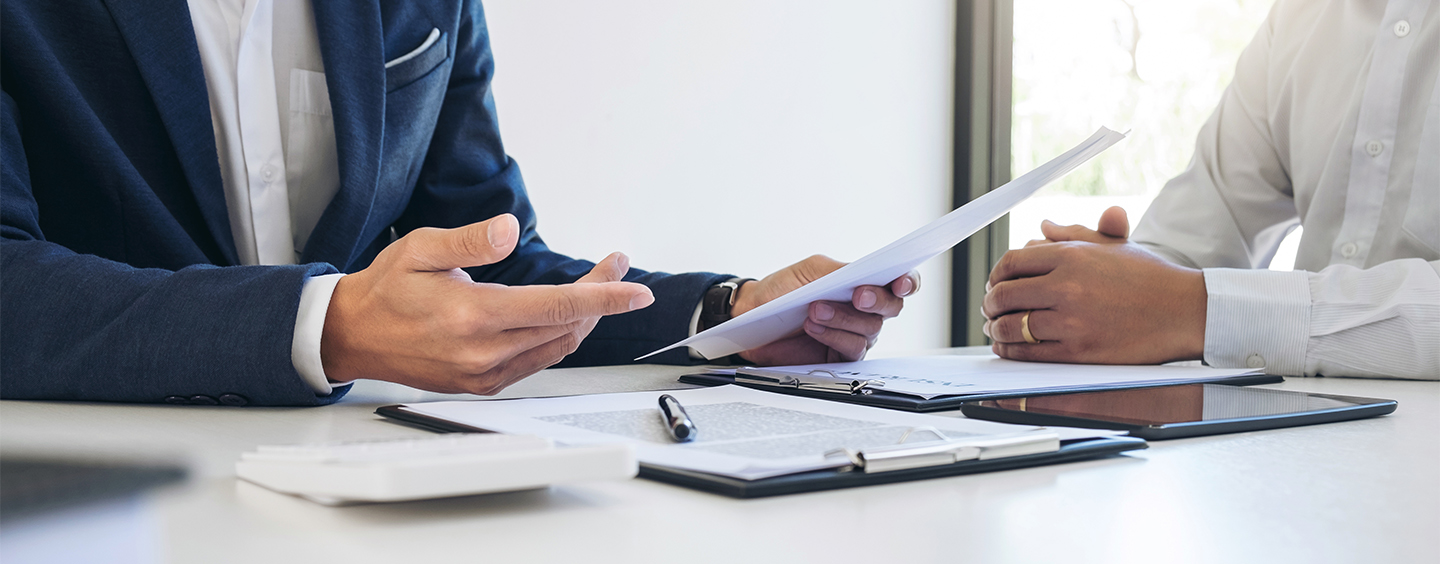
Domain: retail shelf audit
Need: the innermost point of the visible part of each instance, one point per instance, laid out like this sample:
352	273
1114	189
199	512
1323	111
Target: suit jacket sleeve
79	327
467	177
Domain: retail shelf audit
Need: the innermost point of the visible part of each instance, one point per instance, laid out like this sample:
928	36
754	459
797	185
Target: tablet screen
1173	404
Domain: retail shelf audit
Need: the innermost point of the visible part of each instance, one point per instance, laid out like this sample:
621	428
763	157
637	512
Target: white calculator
429	467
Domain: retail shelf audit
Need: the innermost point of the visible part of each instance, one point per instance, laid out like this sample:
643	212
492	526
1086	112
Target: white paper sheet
949	375
785	315
742	433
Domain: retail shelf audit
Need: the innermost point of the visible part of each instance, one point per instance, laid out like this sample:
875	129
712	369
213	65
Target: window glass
1154	67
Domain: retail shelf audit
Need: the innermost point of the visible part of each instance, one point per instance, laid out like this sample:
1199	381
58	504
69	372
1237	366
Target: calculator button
203	400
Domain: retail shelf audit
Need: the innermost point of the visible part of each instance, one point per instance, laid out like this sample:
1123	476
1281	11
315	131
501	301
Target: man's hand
1114	227
413	317
833	331
1094	297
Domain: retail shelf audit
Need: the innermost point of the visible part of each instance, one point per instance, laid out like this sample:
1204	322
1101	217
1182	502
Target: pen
681	428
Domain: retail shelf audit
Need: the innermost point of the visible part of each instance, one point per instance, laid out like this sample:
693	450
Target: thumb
477	244
1114	223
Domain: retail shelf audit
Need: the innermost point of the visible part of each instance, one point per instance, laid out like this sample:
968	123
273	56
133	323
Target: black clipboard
1070	451
879	397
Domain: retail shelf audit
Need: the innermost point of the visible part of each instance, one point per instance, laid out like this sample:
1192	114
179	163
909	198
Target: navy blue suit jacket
119	273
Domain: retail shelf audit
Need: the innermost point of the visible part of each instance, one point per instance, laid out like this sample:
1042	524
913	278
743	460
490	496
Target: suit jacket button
203	400
236	400
177	400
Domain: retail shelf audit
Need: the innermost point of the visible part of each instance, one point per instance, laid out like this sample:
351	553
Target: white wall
736	136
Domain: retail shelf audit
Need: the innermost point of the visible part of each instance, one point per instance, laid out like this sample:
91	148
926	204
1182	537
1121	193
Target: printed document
741	433
785	315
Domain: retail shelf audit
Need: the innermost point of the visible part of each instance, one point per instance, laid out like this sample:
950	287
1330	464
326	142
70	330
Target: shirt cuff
695	328
1257	319
309	327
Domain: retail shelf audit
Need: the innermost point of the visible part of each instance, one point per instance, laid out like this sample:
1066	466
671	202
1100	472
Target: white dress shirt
276	142
1332	122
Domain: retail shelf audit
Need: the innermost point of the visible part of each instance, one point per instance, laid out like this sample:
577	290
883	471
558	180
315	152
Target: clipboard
873	393
848	477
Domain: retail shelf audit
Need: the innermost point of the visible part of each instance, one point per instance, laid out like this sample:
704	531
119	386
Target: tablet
1171	412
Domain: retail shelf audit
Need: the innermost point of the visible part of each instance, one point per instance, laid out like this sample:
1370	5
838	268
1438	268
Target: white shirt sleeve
1382	321
309	326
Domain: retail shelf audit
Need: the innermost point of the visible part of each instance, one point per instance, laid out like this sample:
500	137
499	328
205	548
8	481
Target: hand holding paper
786	314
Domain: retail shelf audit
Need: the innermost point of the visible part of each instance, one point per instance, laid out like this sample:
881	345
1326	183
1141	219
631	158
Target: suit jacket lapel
162	40
352	49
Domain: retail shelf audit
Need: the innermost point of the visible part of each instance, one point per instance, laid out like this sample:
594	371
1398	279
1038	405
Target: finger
1033	242
527	364
843	316
1049	351
1022	263
530	306
1017	295
520	339
1114	223
1056	232
878	300
814	268
612	269
844	345
1009	328
907	285
477	244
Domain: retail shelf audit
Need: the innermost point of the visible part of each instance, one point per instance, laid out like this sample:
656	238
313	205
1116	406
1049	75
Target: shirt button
1374	148
1349	249
1255	361
1402	28
269	173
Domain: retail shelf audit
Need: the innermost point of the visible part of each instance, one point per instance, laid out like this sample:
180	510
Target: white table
1348	492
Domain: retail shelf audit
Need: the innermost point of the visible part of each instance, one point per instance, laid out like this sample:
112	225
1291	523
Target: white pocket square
434	36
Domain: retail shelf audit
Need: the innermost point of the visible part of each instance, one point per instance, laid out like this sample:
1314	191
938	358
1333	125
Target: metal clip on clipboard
904	456
824	380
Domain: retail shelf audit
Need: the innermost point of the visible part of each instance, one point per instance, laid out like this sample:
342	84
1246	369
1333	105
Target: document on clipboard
751	435
784	315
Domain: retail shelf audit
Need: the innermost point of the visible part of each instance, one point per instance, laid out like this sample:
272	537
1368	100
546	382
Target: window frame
984	47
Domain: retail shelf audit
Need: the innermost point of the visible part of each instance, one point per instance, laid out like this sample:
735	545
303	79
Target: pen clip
814	380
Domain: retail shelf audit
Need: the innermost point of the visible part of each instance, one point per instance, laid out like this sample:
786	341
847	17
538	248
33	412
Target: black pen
681	428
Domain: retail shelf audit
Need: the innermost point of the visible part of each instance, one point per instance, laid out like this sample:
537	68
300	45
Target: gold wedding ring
1025	328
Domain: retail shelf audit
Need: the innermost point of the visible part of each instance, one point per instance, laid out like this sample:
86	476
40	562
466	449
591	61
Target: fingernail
823	312
814	329
867	299
641	300
499	232
906	286
1047	222
622	263
986	329
987	286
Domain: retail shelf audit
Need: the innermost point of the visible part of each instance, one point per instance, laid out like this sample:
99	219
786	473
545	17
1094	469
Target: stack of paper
785	315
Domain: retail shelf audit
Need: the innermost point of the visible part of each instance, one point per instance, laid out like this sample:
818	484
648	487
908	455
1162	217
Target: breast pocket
1422	219
409	67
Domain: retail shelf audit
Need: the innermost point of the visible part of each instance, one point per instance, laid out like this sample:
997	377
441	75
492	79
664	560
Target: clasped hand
414	317
1094	297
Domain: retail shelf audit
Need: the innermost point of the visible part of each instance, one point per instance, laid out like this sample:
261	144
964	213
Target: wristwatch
718	302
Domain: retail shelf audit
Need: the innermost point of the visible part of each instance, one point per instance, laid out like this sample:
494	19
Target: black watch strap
718	302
